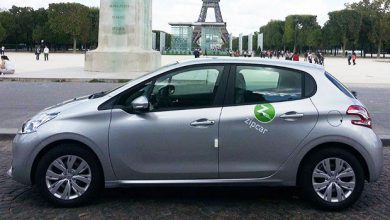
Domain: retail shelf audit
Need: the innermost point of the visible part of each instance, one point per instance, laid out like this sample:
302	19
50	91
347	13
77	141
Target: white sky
242	16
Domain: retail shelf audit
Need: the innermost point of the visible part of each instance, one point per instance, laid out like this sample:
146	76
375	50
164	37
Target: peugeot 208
207	121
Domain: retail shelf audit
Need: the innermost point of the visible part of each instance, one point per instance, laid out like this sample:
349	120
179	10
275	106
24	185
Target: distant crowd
309	56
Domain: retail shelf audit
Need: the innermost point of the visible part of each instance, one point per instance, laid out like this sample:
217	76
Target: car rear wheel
332	179
68	175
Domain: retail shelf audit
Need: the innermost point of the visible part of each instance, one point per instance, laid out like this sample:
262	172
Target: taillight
362	113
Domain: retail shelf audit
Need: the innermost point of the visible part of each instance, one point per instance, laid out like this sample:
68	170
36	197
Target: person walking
7	67
310	57
37	53
354	58
2	50
46	53
349	57
295	57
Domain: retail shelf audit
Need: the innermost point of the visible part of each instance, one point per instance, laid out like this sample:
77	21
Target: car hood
60	107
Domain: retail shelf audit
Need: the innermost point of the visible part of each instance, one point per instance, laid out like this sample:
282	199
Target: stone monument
240	43
125	38
231	42
162	42
260	41
250	43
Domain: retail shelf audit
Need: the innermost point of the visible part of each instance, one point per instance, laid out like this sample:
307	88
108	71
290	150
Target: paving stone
22	202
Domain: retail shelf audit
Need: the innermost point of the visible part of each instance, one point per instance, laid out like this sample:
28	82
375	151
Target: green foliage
2	33
346	25
301	31
71	19
58	25
376	17
273	34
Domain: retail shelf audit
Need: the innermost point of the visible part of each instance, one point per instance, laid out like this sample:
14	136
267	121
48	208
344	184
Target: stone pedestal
125	38
250	43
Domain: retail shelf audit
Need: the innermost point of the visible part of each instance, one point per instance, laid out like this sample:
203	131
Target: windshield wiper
97	95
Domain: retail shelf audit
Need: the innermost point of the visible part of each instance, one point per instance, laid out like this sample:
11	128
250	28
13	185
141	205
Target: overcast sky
242	16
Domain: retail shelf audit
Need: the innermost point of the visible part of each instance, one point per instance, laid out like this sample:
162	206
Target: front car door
268	113
175	139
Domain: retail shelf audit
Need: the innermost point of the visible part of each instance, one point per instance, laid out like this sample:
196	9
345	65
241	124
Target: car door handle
202	122
292	116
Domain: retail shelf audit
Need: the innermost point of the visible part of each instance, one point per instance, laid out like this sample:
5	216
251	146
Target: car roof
262	61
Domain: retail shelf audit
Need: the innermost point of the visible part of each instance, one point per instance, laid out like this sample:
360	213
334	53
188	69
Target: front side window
267	84
190	88
194	87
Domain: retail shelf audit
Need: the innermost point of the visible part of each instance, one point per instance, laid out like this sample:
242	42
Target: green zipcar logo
265	113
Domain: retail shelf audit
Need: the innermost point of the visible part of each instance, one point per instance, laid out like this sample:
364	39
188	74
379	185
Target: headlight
31	125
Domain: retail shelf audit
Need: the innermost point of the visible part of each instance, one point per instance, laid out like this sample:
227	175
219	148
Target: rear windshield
339	85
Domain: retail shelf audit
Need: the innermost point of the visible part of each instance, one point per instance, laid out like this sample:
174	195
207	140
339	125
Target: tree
376	13
18	23
346	25
94	26
329	37
3	33
273	34
71	19
300	31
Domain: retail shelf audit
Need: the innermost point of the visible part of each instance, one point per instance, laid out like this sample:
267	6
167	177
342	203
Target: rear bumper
376	154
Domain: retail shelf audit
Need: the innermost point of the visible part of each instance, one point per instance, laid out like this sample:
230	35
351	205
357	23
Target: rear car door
267	114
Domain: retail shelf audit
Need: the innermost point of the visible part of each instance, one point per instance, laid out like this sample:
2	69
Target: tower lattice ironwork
218	18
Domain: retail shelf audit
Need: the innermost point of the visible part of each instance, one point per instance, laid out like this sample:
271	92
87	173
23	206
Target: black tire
306	174
96	183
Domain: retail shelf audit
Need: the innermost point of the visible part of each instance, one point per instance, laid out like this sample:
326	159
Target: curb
10	134
385	140
64	80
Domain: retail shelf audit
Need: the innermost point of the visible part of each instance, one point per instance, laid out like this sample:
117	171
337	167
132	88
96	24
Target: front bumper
23	154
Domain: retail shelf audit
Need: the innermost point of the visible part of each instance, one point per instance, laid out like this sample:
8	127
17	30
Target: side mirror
354	93
140	104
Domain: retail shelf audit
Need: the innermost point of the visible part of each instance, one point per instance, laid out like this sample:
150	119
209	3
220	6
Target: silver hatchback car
206	121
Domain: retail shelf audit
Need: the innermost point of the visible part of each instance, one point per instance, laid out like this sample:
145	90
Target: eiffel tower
218	18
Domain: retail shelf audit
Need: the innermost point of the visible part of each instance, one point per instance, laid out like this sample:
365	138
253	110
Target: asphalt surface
23	202
21	100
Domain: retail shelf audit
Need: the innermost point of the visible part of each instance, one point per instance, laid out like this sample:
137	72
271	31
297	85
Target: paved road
19	101
21	202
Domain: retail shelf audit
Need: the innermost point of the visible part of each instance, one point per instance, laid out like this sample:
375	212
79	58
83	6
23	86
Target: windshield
104	93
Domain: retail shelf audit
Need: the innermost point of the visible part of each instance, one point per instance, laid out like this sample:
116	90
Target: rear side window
267	84
339	85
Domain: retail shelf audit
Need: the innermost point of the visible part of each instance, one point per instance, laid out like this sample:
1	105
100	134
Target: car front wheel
68	175
332	179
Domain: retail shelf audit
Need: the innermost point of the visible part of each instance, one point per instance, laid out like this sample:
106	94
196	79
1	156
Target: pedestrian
7	67
46	53
354	58
306	55
2	50
310	57
37	53
295	57
196	53
322	59
349	58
